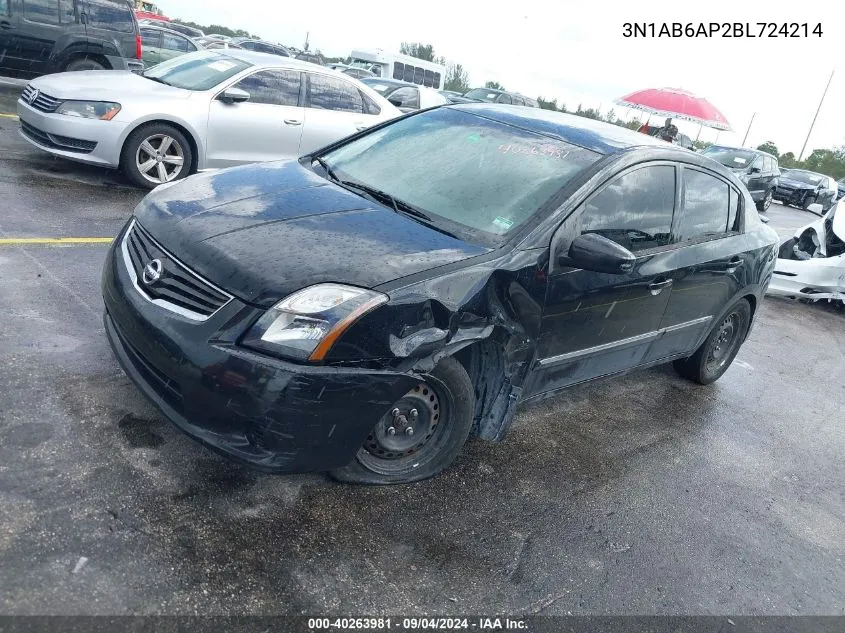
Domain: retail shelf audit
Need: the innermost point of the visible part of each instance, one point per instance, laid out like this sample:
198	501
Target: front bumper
270	414
791	196
72	137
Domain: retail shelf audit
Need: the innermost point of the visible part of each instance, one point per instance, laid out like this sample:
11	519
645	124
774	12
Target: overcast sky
575	51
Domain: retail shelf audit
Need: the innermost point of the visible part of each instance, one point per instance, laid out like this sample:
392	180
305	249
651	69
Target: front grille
165	386
57	141
177	289
43	102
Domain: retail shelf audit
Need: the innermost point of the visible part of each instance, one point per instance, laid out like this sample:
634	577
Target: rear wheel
766	202
718	351
155	154
84	63
421	434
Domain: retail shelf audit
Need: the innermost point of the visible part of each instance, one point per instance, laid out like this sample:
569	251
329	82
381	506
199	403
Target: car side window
42	11
733	211
150	38
272	87
706	207
332	93
370	106
758	163
4	7
67	12
111	16
634	210
174	42
504	99
407	97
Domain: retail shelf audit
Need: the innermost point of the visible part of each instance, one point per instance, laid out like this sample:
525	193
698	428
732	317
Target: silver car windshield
197	71
486	177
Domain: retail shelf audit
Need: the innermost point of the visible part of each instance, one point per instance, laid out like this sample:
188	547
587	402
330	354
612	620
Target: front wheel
420	434
808	201
155	154
718	351
766	202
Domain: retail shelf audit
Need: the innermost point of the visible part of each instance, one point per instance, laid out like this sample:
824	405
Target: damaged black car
366	309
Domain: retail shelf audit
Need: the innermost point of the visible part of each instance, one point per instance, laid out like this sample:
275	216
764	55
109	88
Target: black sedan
801	188
366	308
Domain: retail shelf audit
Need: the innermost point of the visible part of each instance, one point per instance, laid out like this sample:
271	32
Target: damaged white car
811	265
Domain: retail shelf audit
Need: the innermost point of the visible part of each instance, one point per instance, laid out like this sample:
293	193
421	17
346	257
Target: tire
716	354
807	202
764	204
445	401
83	63
141	149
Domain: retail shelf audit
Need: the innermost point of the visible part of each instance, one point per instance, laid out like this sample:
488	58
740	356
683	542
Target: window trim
680	207
234	81
306	92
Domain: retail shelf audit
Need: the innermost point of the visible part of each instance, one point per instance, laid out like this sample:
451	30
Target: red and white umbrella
678	104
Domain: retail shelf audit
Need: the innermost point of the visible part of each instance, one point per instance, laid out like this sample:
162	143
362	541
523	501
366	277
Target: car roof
744	149
390	82
268	59
598	136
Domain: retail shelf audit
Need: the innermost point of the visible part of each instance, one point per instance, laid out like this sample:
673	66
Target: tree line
830	162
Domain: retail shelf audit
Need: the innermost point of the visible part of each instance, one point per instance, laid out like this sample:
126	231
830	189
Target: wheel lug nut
413	414
395	412
391	430
409	430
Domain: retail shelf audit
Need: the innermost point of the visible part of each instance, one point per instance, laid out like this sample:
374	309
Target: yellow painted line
12	241
8	116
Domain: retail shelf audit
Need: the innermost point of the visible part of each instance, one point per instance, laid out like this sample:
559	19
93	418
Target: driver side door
267	127
593	323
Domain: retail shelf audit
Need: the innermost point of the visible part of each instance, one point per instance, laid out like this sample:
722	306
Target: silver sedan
203	110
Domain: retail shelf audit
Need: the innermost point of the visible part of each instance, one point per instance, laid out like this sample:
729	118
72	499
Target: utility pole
307	33
749	129
806	140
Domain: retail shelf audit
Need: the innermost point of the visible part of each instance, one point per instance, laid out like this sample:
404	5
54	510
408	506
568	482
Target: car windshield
730	157
197	71
807	177
482	94
467	173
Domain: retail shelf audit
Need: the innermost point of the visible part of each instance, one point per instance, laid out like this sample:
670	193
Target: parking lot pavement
644	494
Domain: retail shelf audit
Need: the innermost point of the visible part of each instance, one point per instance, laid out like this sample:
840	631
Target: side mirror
815	208
595	252
234	95
754	170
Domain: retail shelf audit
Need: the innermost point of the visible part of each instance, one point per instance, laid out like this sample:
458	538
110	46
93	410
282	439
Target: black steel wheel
420	434
718	351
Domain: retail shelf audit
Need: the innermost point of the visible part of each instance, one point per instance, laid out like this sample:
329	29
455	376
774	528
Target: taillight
138	47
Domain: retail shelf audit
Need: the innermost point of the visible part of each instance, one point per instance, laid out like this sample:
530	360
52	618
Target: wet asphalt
644	494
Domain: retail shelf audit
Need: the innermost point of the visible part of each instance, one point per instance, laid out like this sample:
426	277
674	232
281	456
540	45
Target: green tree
610	117
699	145
495	85
769	147
457	79
420	51
547	104
787	160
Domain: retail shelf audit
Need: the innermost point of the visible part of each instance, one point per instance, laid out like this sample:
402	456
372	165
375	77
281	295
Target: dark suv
757	170
38	37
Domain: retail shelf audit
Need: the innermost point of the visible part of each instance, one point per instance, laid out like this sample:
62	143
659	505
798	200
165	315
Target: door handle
657	287
293	122
734	263
5	25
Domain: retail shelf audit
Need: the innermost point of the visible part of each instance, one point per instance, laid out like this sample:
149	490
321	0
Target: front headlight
103	110
306	324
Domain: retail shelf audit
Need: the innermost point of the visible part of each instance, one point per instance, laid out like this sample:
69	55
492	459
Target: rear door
335	108
598	323
151	46
267	127
174	45
42	23
9	24
709	267
756	178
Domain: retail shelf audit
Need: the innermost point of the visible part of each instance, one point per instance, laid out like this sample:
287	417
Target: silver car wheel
160	158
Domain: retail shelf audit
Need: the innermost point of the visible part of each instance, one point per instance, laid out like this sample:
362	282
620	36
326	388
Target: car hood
266	230
104	85
795	184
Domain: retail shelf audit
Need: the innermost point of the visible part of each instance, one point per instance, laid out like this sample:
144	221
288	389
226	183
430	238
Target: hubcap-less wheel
767	201
160	158
724	342
408	431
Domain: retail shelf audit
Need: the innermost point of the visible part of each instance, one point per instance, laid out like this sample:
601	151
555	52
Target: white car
811	265
405	96
203	110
